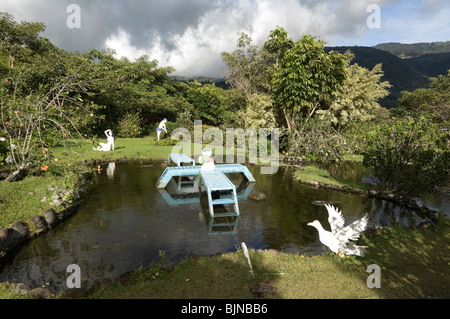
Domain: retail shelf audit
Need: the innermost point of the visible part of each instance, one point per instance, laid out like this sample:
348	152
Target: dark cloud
190	34
142	20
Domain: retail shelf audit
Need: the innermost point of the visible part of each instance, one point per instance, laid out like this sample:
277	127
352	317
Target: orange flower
44	168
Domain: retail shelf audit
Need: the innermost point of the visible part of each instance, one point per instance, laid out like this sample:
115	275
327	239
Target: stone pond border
20	232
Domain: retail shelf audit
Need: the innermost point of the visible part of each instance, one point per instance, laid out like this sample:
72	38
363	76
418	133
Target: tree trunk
21	168
287	119
11	61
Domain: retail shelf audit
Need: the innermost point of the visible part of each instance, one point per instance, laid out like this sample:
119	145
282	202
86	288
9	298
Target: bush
130	126
409	157
318	140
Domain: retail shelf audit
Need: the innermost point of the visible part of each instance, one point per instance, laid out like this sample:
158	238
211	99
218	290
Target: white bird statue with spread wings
338	240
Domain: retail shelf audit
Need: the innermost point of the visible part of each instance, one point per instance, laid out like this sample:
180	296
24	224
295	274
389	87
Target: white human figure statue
161	127
108	145
206	160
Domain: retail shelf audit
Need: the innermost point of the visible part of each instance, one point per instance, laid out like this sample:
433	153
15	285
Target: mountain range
406	66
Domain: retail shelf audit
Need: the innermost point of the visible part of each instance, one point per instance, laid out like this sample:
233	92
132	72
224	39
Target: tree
306	80
259	114
209	103
124	87
245	67
34	121
410	156
277	45
432	103
19	39
356	99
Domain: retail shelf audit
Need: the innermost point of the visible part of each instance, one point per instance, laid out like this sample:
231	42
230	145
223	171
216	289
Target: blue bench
180	159
216	182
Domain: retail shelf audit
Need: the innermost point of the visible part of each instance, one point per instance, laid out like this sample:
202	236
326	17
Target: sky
190	35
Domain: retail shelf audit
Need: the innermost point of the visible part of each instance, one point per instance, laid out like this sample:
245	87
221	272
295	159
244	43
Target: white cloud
120	42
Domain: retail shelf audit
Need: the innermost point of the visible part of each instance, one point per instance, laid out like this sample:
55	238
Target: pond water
125	222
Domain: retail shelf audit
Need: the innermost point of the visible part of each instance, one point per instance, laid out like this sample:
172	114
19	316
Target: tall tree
20	39
277	45
245	67
306	80
432	103
34	121
356	99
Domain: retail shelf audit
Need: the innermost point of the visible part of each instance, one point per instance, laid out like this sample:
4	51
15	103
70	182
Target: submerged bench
215	182
170	172
180	159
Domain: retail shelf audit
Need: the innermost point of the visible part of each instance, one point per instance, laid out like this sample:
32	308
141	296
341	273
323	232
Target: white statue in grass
110	138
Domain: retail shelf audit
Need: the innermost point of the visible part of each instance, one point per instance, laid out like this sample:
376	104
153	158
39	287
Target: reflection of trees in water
386	213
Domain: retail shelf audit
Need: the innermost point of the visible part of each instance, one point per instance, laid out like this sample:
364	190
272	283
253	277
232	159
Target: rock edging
21	231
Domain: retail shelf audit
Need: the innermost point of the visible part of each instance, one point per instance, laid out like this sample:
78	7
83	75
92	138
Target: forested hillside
415	49
402	74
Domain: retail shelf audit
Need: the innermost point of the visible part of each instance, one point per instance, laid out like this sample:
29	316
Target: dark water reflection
125	223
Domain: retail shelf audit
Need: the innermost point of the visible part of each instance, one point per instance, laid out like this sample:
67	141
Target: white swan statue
338	240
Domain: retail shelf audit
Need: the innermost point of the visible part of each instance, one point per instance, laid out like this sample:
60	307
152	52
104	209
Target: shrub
409	157
318	140
130	126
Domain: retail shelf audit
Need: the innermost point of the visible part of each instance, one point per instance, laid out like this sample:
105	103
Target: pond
125	222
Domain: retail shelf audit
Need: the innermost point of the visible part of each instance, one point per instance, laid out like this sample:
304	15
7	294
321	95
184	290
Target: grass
279	276
125	148
413	264
23	199
314	174
354	157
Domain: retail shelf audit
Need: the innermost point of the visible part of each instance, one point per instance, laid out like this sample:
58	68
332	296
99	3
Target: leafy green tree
409	157
356	100
209	103
246	66
277	45
259	114
432	103
32	122
306	80
20	39
140	87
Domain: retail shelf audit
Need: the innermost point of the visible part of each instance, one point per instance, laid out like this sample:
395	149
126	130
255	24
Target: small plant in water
164	258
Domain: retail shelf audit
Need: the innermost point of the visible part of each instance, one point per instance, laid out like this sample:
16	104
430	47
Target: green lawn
314	174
